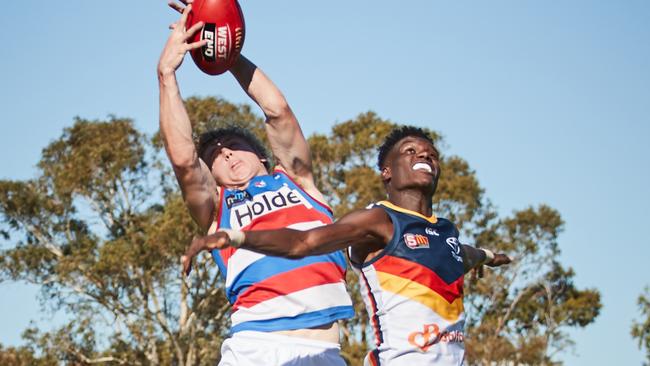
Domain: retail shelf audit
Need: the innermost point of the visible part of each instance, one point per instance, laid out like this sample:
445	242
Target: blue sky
548	101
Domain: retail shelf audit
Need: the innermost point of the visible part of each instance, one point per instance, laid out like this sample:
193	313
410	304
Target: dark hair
208	138
396	135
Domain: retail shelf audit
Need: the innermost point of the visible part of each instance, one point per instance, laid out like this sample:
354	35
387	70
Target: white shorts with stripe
251	348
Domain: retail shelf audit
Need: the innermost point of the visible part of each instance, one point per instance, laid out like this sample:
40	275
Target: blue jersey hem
302	321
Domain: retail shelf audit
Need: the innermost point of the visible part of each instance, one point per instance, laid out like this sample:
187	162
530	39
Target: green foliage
210	112
23	356
102	226
101	230
520	313
641	329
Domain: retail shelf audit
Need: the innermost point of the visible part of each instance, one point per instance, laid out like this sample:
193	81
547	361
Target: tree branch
162	320
88	360
44	240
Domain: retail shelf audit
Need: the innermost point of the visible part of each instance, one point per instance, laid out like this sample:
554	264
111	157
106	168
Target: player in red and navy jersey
410	262
284	312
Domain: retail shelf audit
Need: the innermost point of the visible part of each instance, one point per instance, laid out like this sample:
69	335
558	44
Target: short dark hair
396	135
208	138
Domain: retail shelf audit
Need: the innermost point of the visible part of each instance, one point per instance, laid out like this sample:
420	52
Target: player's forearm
282	242
473	257
175	126
285	136
261	89
352	229
297	244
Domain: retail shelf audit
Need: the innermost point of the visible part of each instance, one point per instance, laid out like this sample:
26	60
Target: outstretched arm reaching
475	257
352	229
356	228
287	141
194	177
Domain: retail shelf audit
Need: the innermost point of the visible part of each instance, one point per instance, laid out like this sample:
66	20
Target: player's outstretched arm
287	142
354	228
475	257
193	175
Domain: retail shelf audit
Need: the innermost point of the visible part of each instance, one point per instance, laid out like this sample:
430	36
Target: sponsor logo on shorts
416	241
431	335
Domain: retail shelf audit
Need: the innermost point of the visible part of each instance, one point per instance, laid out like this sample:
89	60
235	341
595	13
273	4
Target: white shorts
250	348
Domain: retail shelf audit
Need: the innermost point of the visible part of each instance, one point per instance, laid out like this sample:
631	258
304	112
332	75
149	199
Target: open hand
218	240
176	47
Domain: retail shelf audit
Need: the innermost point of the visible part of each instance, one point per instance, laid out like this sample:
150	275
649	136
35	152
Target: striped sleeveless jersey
270	293
413	291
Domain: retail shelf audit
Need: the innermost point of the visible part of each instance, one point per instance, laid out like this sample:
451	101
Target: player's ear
385	173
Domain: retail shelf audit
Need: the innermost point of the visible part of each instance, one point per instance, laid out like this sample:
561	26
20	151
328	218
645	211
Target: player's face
413	163
233	162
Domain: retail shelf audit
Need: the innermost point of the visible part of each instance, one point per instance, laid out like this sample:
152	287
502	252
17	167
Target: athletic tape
236	237
489	255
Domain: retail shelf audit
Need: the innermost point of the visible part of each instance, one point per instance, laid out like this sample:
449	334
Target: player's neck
412	200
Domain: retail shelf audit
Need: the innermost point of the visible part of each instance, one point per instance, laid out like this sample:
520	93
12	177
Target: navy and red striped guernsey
413	292
270	293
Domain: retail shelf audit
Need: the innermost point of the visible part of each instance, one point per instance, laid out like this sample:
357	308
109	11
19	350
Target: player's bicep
352	229
289	145
200	193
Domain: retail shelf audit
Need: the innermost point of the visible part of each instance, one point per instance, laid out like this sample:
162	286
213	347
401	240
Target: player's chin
424	179
242	175
422	184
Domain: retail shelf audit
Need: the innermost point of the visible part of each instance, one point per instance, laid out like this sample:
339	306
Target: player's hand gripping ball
223	28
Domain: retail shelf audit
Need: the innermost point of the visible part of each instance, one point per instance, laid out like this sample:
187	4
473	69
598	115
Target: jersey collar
432	219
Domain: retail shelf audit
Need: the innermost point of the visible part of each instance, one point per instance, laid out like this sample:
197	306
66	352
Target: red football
223	28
